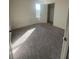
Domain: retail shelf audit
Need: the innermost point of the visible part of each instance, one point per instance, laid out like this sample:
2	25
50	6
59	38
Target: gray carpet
45	42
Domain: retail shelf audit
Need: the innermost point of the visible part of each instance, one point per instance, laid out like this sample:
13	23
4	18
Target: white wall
22	13
48	1
61	13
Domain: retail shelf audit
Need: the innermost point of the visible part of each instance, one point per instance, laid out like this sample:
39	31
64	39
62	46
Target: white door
65	41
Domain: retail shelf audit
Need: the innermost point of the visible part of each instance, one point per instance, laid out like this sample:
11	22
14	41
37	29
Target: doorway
50	14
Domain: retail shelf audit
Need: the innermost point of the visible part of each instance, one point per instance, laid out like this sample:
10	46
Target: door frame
48	13
65	45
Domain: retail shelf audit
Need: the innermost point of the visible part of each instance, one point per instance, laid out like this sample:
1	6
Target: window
38	8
